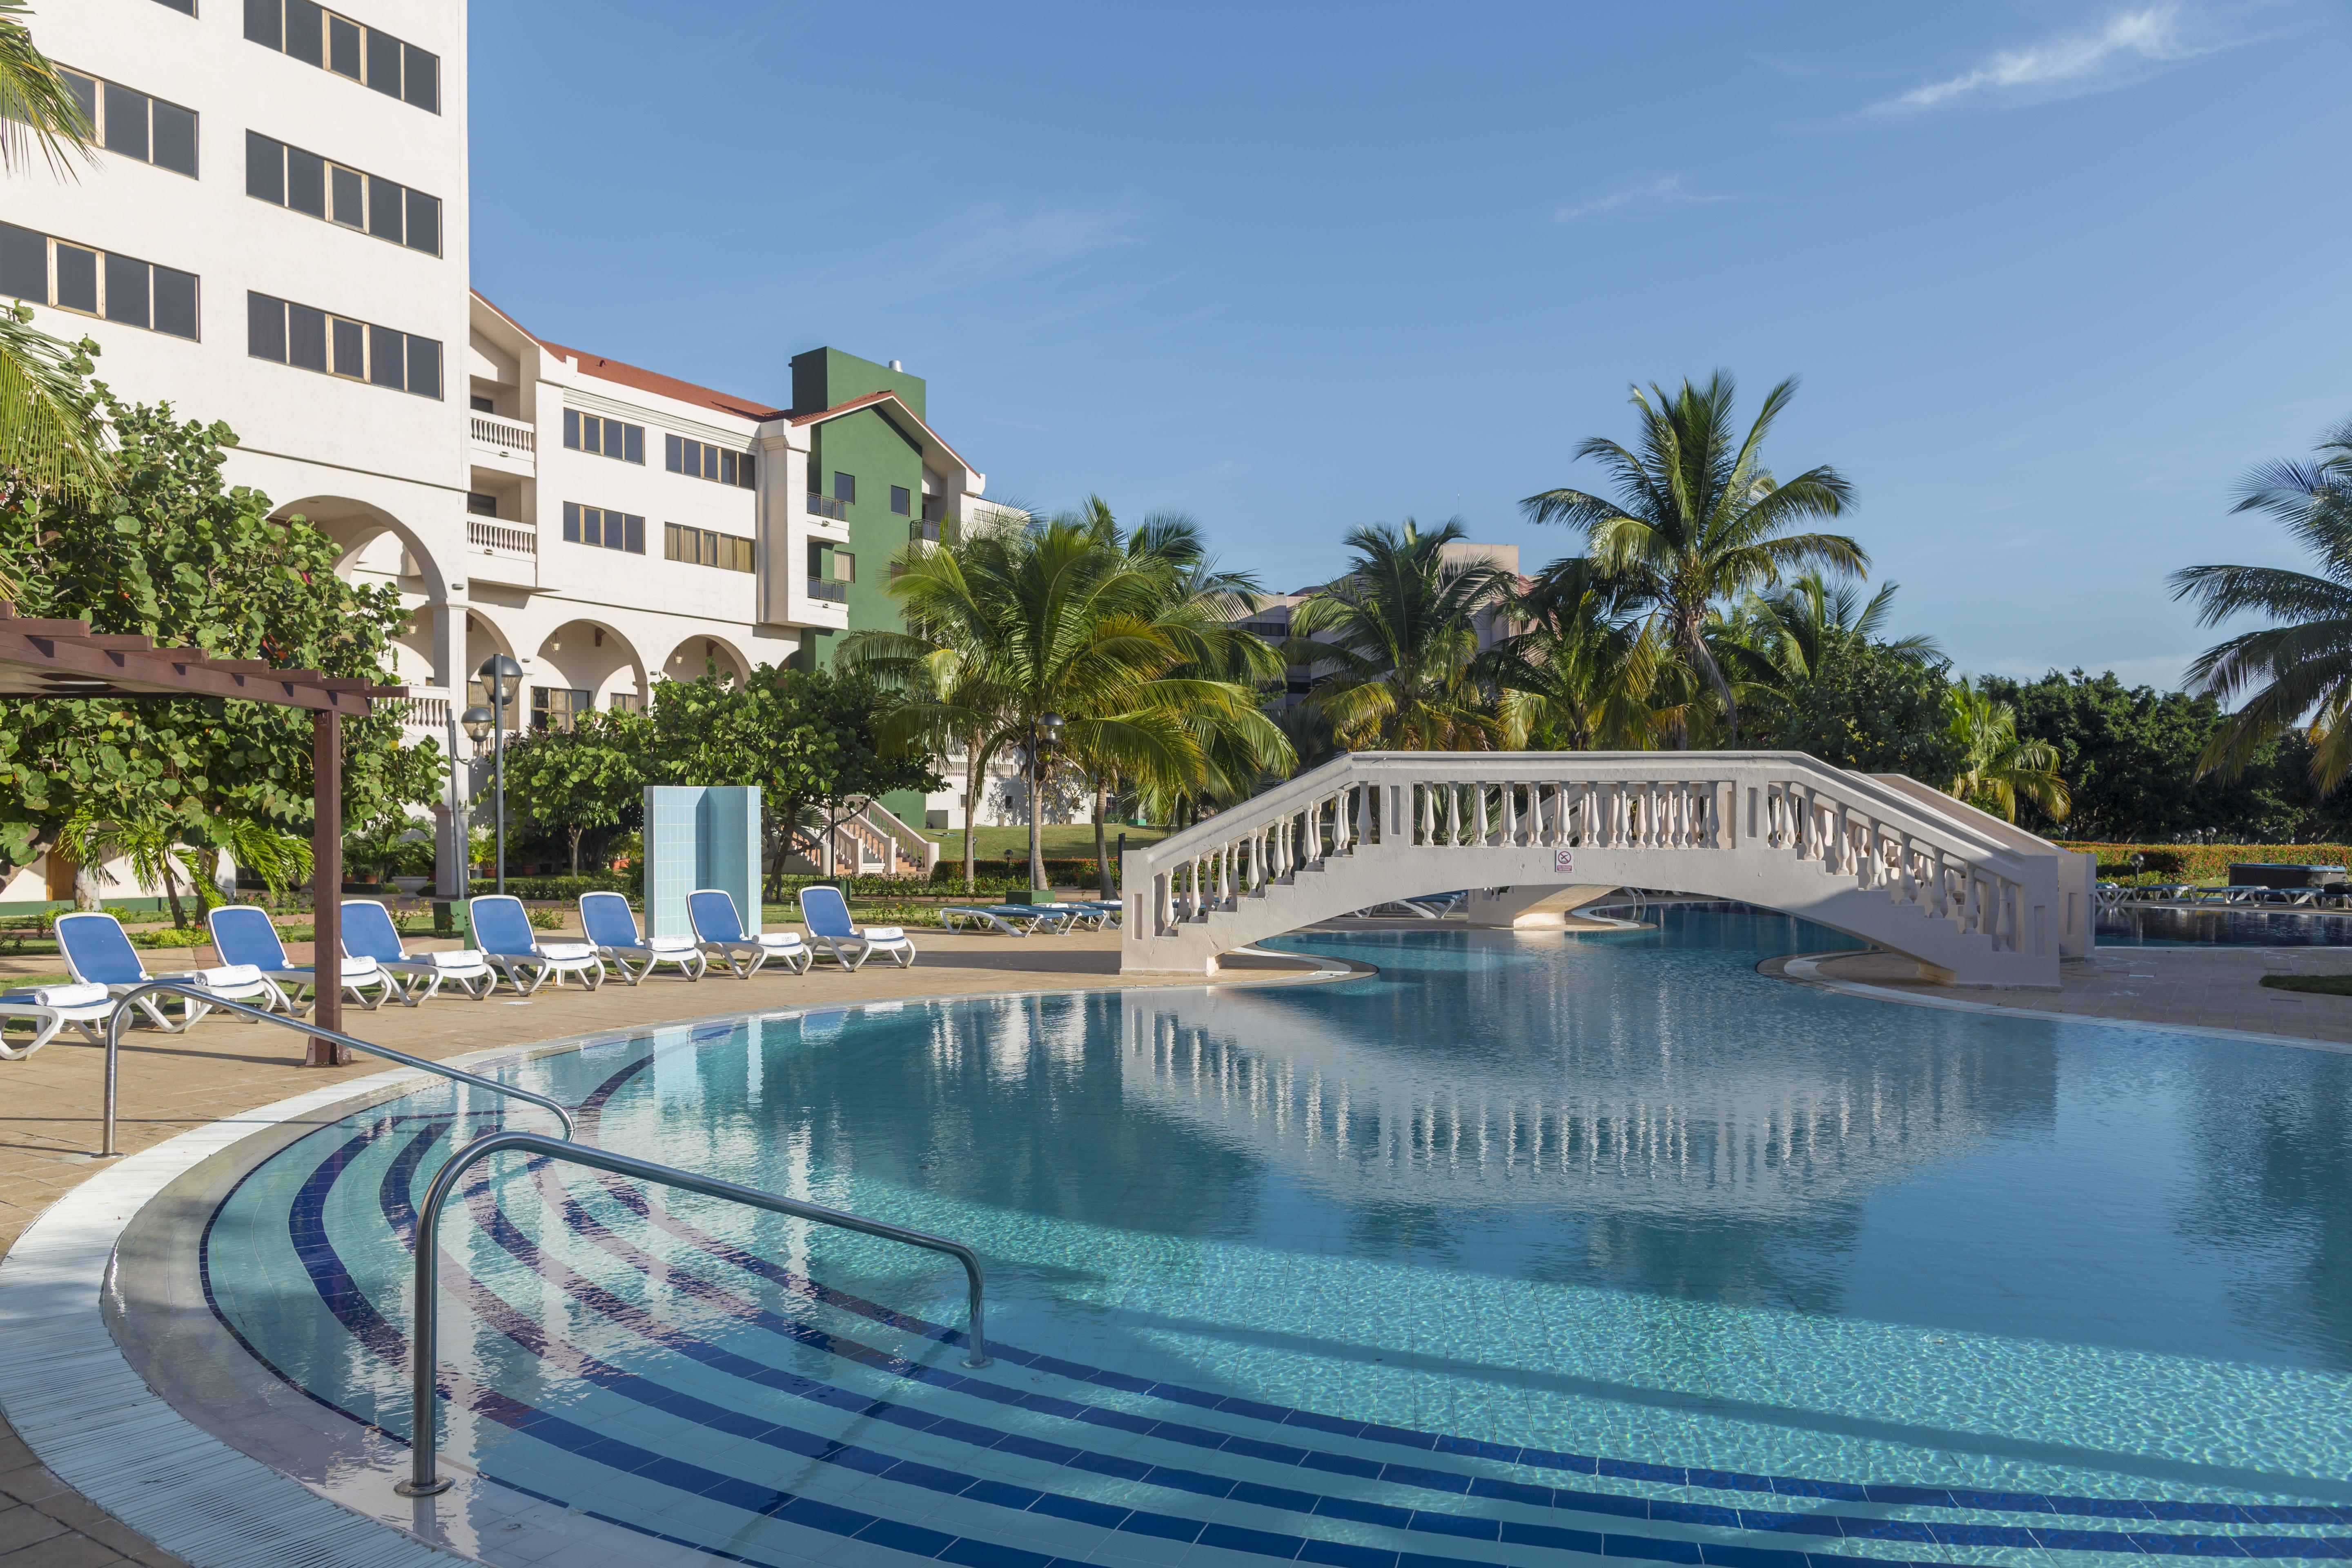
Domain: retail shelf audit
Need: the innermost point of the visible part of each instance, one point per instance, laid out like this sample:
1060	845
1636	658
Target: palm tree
1585	668
1401	634
1201	607
49	435
2302	669
1698	518
2000	766
1055	623
1800	629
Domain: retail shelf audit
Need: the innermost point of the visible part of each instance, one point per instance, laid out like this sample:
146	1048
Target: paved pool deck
50	1103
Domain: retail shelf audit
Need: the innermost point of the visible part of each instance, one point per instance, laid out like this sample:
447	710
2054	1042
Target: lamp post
500	676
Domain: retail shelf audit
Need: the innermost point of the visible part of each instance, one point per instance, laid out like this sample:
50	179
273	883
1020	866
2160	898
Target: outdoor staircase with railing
1882	858
872	841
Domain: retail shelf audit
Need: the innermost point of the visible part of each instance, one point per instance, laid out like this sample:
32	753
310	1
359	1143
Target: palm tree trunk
1102	850
1036	837
971	811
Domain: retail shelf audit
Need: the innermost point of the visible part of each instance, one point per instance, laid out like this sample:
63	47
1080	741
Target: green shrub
545	919
2205	862
170	936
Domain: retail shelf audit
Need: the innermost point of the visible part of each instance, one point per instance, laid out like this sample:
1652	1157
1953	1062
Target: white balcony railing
505	434
426	708
501	538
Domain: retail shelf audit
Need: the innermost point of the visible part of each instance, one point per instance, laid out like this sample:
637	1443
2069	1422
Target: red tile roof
645	380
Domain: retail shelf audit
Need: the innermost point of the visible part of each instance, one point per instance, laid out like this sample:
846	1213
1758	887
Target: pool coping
1804	969
72	1394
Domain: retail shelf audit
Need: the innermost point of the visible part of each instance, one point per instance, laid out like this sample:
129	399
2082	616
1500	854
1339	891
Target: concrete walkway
50	1108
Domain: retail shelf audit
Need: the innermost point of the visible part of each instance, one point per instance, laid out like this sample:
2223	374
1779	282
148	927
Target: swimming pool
2160	925
1527	1244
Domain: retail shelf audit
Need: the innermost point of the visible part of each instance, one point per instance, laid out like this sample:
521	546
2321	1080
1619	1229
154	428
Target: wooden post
327	884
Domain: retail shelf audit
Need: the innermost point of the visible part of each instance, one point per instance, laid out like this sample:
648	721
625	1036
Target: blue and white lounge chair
368	933
825	913
611	926
502	932
50	1008
243	933
719	932
97	952
1014	920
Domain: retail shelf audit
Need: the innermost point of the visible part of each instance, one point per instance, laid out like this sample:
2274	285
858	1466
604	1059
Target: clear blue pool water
2147	925
1528	1247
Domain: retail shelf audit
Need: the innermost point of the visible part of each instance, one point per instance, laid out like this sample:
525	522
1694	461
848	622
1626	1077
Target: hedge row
2205	862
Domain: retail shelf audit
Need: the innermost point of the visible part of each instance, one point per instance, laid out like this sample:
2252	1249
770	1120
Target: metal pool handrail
122	1012
425	1345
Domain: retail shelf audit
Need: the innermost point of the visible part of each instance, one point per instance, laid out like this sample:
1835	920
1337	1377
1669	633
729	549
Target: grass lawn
2317	984
1061	843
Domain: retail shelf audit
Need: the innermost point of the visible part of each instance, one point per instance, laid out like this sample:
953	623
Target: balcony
825	506
426	708
501	538
931	530
506	444
832	593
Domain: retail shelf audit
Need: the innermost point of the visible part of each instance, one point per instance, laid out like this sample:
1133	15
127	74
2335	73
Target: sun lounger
368	933
612	926
1014	920
97	953
244	934
825	913
502	931
50	1008
719	932
1093	913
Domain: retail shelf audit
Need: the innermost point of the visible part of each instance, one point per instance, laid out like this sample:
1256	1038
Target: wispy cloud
2130	46
1644	199
1001	235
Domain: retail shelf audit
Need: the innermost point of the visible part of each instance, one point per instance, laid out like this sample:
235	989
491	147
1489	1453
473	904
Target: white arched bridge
1878	856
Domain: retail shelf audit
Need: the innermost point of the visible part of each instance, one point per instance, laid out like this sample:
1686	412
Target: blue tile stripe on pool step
394	1200
1662	1510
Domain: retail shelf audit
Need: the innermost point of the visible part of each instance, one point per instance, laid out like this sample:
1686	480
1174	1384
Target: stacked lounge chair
97	953
719	932
368	933
1014	920
612	928
502	932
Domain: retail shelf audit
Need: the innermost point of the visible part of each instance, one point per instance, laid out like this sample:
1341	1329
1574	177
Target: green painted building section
864	460
861	459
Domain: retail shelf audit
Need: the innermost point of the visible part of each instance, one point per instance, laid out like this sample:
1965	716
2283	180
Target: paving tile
23	1525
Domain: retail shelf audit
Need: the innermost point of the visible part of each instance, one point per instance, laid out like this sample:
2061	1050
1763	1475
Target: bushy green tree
1874	708
581	777
174	553
2130	758
809	739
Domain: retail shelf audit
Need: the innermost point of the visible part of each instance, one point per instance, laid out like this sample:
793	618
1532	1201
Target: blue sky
2053	275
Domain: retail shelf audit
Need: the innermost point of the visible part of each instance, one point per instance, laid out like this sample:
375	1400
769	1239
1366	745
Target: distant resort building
276	237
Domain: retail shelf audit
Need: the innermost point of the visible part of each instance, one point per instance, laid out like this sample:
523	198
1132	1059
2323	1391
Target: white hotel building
275	237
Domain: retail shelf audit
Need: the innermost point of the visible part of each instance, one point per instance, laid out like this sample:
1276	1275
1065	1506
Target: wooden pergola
66	659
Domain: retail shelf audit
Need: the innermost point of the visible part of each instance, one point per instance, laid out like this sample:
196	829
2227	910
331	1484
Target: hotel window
553	707
316	35
703	460
606	530
479	504
701	547
135	125
901	502
310	339
845	487
481	405
290	177
606	437
49	271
